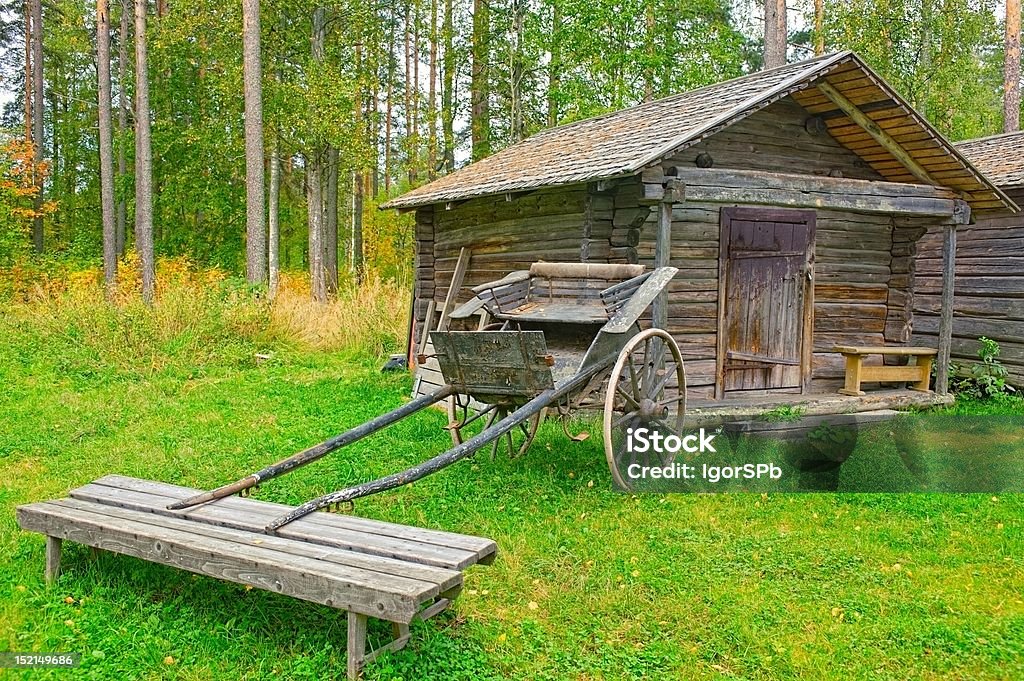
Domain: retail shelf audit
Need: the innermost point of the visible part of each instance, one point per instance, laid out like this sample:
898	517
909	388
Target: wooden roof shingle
1000	157
623	142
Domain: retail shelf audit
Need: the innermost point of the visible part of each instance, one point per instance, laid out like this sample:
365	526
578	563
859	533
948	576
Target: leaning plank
482	547
254	517
302	578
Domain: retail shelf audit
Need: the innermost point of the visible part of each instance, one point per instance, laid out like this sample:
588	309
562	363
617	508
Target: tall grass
202	315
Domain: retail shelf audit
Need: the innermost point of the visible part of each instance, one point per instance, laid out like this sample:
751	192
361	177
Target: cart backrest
489	365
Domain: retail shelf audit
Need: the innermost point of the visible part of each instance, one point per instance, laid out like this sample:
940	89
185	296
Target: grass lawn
589	583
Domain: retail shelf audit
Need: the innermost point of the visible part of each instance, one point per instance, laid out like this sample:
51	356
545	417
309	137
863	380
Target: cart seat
558	292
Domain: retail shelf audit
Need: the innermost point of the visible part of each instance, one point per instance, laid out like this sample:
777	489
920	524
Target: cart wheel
639	396
465	424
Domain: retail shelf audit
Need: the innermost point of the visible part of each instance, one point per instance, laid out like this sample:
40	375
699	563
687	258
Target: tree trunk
555	63
143	160
410	138
819	27
517	72
415	156
314	180
37	117
357	225
480	122
28	72
331	223
255	226
389	106
774	33
432	96
122	121
315	218
1011	75
448	88
106	144
649	16
274	237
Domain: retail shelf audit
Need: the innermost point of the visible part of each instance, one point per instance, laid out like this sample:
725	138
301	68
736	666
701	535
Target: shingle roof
1000	157
624	142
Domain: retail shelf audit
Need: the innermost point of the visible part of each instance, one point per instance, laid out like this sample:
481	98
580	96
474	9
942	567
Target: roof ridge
689	93
1000	135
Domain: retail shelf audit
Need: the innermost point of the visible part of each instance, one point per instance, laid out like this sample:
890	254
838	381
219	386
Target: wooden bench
918	374
367	567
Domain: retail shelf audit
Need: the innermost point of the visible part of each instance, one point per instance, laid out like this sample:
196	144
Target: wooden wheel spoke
629	398
622	419
634	381
663	425
663	383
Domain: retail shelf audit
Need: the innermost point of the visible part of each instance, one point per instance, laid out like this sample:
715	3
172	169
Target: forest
248	136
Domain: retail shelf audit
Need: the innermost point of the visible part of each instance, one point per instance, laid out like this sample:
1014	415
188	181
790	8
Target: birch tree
1011	68
106	144
143	159
255	226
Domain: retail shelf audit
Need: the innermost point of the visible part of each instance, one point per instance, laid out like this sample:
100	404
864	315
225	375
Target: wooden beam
788	190
876	132
946	318
662	254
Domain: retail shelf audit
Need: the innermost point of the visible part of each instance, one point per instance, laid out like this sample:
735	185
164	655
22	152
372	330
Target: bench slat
267	569
466	542
254	516
441	578
884	350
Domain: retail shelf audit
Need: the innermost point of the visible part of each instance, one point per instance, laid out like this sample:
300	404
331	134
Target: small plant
986	378
782	414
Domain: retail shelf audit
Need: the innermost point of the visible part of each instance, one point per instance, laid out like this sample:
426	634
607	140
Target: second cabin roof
624	142
1000	157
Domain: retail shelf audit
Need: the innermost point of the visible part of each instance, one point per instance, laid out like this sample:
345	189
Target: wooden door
766	264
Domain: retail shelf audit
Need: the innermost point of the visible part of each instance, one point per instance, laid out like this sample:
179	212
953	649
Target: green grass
589	584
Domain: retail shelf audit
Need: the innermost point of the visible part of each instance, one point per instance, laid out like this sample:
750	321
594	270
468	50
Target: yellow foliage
369	317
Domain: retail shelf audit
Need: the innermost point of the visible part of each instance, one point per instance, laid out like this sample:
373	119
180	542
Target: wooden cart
566	336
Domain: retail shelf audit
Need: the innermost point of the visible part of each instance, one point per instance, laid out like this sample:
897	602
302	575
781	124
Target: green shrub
986	378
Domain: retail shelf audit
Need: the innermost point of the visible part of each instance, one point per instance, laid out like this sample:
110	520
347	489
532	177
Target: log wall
989	288
864	263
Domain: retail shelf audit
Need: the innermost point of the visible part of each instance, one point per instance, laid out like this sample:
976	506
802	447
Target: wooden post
52	559
356	644
662	255
946	320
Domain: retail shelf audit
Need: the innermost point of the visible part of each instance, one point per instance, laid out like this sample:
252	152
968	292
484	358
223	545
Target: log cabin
989	290
791	200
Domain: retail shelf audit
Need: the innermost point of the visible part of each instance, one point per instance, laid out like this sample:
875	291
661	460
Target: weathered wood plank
363	563
252	515
302	578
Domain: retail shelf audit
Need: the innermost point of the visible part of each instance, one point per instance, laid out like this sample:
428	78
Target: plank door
766	260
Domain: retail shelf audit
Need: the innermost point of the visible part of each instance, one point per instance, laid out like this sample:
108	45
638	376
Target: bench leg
52	559
853	367
356	644
923	385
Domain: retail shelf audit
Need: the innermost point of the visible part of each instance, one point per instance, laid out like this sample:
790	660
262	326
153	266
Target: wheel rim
646	389
463	424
